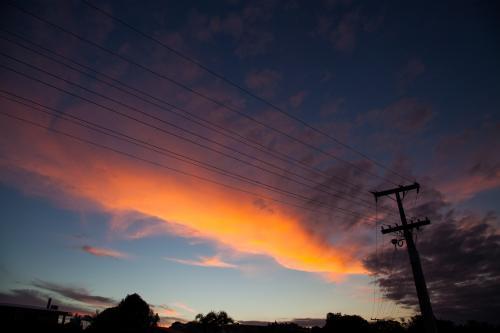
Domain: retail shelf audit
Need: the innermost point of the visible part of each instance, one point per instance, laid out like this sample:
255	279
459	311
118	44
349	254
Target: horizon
223	155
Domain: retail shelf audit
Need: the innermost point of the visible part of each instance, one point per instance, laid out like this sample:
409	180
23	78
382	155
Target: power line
238	86
168	123
158	164
337	192
165	131
376	262
385	302
195	92
240	138
167	152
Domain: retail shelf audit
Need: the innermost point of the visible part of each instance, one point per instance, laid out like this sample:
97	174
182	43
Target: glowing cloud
165	310
204	262
184	307
77	172
102	252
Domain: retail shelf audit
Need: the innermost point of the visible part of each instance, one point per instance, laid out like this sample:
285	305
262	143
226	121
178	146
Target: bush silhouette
131	315
213	321
336	322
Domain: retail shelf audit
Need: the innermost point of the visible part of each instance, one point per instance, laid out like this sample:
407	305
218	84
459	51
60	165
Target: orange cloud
119	184
164	310
204	262
102	252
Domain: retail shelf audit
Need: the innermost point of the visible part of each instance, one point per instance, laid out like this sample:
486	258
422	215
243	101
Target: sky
220	156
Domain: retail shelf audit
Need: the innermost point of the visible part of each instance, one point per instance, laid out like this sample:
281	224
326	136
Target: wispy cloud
204	262
103	252
184	307
204	209
165	310
75	293
38	298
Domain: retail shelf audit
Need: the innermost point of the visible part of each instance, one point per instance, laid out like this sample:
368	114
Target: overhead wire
374	279
99	145
361	202
158	149
219	129
163	151
383	304
196	92
241	88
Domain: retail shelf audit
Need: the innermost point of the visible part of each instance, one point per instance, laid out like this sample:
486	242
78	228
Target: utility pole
418	275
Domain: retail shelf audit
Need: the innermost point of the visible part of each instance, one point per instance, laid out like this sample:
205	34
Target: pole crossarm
418	274
412	225
414	186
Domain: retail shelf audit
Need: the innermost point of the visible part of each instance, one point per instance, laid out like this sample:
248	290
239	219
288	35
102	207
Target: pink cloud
184	307
466	163
297	99
343	36
204	262
406	114
458	190
103	252
165	310
343	31
332	106
264	81
232	25
413	69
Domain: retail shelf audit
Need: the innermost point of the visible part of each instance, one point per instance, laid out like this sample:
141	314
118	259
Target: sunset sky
219	155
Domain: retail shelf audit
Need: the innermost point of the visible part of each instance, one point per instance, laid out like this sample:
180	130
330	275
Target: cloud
459	260
469	185
256	37
297	99
103	252
73	174
343	36
475	164
35	297
406	115
232	24
118	184
24	296
165	310
77	294
168	315
263	81
184	307
411	71
332	107
247	28
204	262
343	30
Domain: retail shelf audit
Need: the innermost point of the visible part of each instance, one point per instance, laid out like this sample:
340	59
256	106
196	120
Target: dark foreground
133	314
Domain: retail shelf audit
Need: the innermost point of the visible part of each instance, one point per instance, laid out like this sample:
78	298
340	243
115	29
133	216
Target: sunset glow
275	161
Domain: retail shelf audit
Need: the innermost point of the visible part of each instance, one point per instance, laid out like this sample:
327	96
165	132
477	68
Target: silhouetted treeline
339	323
133	315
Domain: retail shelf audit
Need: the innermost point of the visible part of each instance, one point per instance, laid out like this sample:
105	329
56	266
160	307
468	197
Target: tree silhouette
213	321
131	315
336	322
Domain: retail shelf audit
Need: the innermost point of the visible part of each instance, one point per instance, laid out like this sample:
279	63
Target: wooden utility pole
418	275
